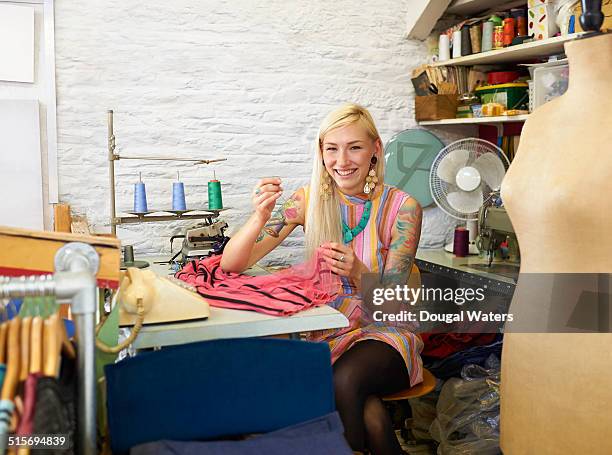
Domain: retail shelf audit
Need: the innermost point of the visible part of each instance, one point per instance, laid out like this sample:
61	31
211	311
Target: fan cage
440	189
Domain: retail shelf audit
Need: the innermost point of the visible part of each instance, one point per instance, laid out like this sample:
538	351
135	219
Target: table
473	270
227	323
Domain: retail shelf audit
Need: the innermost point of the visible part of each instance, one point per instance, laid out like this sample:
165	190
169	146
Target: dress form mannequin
555	390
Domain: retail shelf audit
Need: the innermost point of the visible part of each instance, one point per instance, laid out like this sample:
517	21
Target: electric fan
463	174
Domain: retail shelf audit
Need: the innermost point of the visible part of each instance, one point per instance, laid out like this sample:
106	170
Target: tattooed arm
405	236
260	236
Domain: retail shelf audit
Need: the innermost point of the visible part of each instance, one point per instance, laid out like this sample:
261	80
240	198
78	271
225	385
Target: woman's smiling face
347	152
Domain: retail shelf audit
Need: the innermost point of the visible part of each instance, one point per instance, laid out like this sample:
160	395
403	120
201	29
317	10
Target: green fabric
38	306
109	335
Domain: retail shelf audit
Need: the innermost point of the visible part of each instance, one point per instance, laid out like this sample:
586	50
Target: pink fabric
283	293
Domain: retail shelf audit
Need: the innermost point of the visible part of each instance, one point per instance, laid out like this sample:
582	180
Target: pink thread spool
461	242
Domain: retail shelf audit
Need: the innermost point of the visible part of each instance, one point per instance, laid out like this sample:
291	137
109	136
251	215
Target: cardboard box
541	20
26	252
435	107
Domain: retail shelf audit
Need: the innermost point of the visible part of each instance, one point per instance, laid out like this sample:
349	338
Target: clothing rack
74	282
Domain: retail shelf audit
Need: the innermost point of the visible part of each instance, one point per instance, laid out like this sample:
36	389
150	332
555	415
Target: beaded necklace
349	234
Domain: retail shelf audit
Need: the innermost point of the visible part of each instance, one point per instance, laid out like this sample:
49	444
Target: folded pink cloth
282	293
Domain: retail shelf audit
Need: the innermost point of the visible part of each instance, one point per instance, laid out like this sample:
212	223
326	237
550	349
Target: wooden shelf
472	7
513	54
480	120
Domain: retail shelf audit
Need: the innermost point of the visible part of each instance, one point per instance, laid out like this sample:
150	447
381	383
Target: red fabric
442	345
26	424
283	293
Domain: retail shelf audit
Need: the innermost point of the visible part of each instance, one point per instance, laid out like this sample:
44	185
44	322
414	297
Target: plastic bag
423	414
467	420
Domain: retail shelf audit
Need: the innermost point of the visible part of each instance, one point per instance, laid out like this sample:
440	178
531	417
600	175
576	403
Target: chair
219	388
429	381
423	388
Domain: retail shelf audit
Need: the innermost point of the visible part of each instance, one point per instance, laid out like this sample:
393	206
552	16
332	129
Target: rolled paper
178	196
487	36
457	44
215	201
443	48
140	198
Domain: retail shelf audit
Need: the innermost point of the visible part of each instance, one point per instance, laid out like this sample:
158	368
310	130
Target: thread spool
178	194
215	201
443	48
487	36
475	38
457	44
140	197
461	242
466	42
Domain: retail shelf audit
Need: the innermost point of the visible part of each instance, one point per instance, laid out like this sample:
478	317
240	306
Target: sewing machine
495	232
201	238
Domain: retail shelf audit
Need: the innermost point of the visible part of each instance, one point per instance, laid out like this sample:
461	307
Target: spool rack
193	214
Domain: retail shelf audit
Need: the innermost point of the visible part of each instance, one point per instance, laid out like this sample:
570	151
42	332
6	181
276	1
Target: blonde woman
363	226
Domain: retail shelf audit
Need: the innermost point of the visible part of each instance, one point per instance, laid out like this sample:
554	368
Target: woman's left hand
342	261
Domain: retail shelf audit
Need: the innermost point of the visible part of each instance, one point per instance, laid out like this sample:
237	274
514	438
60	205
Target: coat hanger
3	334
11	377
55	339
51	346
26	325
36	337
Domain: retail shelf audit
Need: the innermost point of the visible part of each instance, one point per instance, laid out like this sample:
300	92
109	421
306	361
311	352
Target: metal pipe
77	264
111	171
165	158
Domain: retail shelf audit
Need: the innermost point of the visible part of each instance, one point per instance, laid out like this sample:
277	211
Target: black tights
368	370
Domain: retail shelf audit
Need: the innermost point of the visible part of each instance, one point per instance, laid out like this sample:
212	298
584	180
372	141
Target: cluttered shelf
483	83
513	54
474	120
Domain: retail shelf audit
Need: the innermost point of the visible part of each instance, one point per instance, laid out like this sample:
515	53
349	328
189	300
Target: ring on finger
257	191
341	258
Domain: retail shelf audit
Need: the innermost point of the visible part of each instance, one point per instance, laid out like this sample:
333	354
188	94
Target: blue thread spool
215	201
178	195
140	197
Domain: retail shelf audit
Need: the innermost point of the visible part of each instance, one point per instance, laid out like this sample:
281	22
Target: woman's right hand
265	195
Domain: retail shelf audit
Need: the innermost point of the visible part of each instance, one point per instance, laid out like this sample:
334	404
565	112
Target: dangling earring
326	189
371	179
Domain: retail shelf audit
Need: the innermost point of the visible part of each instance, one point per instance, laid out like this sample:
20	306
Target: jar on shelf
466	101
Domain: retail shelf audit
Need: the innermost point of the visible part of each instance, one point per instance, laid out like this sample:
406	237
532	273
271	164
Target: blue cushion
217	388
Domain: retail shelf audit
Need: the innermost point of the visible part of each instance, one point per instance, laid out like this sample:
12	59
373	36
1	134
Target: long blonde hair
323	218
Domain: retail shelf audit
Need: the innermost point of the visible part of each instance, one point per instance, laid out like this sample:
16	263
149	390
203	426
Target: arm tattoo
286	214
405	238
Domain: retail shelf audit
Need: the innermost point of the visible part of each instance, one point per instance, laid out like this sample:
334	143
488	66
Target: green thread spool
215	202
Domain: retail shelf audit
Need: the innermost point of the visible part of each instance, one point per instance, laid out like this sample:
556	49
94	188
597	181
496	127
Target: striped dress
371	247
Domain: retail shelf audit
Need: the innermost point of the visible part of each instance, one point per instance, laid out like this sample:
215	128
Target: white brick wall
243	79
